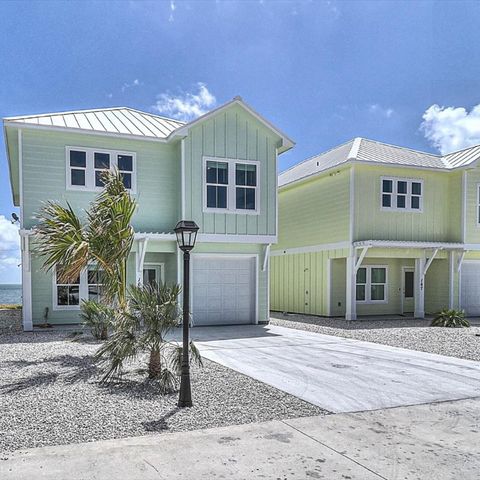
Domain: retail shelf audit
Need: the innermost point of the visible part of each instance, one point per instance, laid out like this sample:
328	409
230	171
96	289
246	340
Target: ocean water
10	293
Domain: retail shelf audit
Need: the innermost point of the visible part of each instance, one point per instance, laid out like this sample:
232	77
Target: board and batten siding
315	212
232	134
158	176
299	283
472	229
432	224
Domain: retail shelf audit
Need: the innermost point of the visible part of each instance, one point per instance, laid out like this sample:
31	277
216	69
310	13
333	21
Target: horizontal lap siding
232	134
437	286
158	181
472	227
316	212
433	224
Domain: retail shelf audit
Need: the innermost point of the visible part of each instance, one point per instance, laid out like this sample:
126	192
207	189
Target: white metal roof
118	120
369	151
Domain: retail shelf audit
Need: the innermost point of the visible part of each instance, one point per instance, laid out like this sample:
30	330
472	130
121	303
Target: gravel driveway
404	333
49	395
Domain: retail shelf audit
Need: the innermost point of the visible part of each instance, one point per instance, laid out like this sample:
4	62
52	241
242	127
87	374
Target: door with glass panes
153	273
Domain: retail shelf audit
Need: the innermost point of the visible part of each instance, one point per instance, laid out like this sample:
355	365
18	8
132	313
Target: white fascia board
167	237
406	244
29	126
225	238
310	248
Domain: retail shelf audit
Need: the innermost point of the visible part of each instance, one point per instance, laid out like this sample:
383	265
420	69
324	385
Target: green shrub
450	318
98	317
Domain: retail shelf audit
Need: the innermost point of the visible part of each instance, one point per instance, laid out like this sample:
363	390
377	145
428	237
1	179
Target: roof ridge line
63	113
403	148
317	155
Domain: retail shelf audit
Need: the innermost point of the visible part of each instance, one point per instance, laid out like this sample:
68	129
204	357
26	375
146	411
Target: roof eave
36	126
15	198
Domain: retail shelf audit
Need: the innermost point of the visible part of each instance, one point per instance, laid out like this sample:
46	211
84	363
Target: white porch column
351	300
419	288
140	259
26	284
451	278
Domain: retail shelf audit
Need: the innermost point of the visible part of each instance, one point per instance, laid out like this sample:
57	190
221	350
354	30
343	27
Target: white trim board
311	248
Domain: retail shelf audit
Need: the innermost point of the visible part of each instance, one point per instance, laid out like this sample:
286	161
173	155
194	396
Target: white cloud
186	106
172	9
377	109
135	83
451	128
9	244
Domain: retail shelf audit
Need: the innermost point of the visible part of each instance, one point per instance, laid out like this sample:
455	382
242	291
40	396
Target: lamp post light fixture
186	231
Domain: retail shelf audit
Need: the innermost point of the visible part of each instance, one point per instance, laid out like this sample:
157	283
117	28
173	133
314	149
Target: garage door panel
470	288
223	290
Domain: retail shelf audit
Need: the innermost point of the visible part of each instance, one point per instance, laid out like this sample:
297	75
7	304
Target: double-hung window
67	293
217	184
86	167
231	186
371	284
402	194
95	283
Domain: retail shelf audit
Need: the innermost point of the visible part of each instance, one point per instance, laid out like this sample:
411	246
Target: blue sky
323	72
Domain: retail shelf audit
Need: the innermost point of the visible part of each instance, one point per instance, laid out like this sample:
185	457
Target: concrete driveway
339	374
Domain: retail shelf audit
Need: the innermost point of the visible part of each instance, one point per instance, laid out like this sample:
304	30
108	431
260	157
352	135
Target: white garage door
470	285
223	290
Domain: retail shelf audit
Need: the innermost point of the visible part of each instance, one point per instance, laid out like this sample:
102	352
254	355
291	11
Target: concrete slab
426	442
339	374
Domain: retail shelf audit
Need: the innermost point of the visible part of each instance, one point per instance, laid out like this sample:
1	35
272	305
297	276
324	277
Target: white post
419	288
26	285
351	300
451	273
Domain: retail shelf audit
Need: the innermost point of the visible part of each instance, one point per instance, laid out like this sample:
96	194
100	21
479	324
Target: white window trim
408	195
231	185
82	291
368	286
90	168
160	265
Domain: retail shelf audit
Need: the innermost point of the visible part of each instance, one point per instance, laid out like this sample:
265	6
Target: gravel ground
50	395
397	332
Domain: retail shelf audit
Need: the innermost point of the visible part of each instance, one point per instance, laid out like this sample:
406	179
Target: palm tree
105	240
152	313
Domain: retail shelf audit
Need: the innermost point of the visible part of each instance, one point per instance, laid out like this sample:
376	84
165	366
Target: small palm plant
450	318
104	240
98	317
152	313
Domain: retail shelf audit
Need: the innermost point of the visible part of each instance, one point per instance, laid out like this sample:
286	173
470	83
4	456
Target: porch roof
409	244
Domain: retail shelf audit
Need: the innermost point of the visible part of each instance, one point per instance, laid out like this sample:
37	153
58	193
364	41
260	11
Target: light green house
219	170
373	229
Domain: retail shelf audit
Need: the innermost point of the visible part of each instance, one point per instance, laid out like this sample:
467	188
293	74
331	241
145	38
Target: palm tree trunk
154	364
104	333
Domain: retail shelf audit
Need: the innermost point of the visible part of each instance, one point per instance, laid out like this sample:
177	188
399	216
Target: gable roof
362	150
117	120
287	143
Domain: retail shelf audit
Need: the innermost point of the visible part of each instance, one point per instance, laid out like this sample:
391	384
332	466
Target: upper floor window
85	167
402	194
230	185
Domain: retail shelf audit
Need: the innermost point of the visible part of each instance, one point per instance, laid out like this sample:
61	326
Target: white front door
153	273
408	290
470	287
223	289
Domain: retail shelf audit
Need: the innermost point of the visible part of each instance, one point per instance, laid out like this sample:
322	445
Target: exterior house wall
315	212
158	176
432	224
472	226
233	134
300	282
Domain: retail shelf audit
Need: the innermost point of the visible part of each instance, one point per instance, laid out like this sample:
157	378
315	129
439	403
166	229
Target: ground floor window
87	286
371	284
153	274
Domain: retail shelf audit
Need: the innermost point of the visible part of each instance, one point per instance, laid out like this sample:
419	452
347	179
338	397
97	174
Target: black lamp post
186	231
